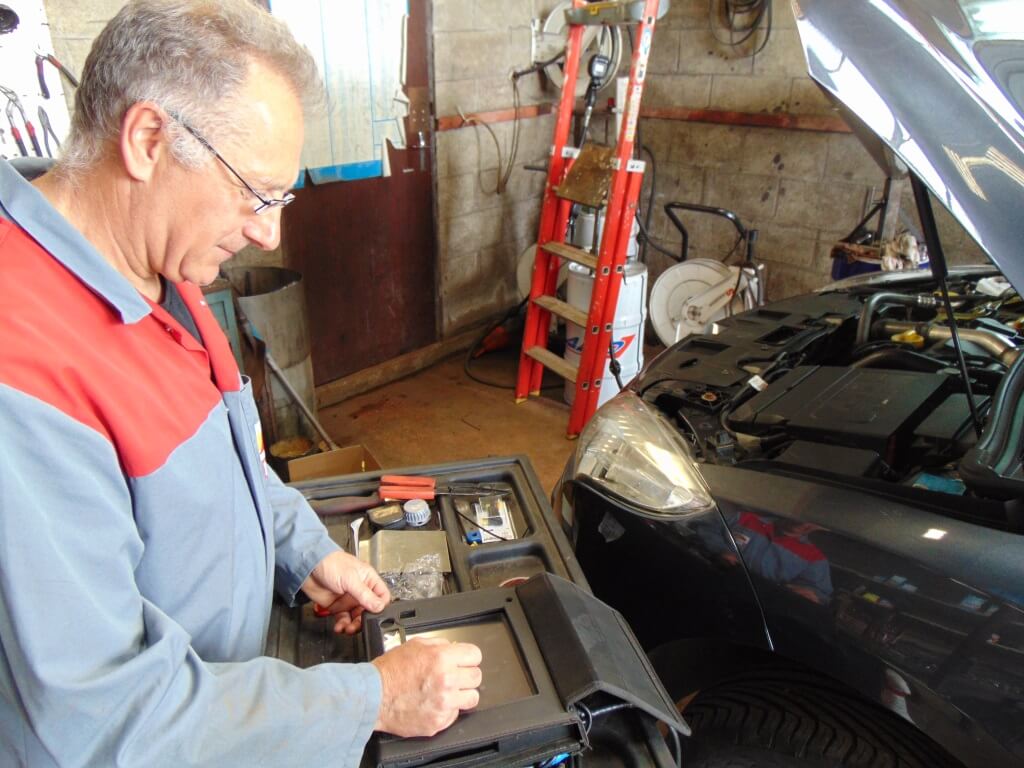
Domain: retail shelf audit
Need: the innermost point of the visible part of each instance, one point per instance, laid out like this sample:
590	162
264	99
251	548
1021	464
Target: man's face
208	213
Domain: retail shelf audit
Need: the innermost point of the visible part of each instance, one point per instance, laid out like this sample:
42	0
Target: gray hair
189	56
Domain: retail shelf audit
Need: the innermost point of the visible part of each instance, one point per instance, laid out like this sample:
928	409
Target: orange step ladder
569	172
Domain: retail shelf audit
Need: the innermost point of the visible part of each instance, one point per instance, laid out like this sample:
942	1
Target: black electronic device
552	654
598	67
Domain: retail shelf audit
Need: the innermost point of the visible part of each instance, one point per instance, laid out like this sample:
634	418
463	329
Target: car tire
790	719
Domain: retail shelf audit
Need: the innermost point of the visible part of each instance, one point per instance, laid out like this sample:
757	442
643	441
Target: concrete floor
439	415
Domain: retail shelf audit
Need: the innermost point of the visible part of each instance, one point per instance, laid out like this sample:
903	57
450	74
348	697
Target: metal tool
405	487
14	129
13	102
41	60
44	123
355	525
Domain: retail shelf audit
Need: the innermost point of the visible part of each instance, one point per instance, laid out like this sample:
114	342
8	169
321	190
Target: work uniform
141	531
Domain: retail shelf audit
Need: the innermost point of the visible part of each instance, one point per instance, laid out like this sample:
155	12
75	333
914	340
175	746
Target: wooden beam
334	392
454	122
821	123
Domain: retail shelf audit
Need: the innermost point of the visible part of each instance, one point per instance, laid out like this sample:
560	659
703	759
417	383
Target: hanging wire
744	20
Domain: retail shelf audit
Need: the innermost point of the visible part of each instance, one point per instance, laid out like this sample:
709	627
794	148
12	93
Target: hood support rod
940	271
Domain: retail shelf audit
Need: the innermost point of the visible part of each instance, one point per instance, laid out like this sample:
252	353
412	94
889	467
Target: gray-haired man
141	533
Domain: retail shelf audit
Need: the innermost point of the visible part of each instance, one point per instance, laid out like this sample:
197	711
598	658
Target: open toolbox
502	575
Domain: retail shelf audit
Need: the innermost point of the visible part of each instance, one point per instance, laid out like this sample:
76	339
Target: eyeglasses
265	203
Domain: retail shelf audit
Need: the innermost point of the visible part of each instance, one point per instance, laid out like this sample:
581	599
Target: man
141	532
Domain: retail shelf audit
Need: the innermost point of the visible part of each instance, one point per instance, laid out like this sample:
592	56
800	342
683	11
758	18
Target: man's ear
143	140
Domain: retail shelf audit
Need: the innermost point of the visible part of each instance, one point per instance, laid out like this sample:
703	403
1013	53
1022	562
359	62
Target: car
813	515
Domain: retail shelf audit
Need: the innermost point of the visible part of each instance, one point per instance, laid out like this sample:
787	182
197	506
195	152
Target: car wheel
786	718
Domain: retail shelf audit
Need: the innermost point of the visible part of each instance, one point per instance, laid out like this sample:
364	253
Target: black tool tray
626	736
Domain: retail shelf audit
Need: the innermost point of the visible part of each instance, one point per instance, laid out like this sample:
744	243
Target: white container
627	328
583	235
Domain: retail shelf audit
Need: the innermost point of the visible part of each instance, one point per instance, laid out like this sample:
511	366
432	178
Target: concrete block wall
803	190
476	45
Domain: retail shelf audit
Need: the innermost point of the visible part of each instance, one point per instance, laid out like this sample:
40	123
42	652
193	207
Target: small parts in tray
386	516
412	563
490	518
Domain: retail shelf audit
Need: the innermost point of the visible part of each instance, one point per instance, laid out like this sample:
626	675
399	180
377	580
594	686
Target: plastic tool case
563	674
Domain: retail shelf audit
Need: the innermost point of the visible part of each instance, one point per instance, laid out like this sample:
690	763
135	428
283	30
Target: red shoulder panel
59	342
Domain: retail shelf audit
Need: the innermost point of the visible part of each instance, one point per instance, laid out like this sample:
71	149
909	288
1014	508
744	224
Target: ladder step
549	359
572	253
560	308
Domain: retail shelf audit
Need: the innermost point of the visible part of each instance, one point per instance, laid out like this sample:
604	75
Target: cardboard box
349	460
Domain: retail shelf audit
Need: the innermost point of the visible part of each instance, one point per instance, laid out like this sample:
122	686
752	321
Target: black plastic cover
563	646
837	459
858	407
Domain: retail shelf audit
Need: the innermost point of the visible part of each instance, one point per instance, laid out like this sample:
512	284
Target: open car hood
936	87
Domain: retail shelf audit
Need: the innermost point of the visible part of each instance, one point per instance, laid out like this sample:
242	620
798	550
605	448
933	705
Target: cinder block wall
481	233
802	189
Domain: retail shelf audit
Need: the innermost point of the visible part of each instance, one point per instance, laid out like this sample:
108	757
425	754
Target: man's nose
264	231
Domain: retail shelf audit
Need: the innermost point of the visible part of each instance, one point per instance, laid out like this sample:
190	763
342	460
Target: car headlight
630	451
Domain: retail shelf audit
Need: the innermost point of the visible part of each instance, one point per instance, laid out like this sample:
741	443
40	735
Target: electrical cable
649	212
472	348
645	237
743	19
505	168
613	364
468	359
485	529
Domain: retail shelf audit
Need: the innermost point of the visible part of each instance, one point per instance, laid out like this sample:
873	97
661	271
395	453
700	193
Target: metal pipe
297	399
1000	348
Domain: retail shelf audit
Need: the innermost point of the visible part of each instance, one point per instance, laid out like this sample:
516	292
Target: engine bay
856	385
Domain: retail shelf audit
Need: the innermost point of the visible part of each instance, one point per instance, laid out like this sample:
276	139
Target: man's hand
345	587
426	683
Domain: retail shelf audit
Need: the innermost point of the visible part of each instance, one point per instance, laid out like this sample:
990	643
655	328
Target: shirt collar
24	205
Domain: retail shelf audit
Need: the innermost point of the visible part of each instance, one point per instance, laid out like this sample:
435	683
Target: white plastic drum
627	328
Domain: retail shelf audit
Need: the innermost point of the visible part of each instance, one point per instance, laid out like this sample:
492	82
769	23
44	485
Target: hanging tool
14	129
44	123
41	60
598	177
13	102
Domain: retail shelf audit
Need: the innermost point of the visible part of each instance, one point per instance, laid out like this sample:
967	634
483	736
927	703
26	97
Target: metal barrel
274	300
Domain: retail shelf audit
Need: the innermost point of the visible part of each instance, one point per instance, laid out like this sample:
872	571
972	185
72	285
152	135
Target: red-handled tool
14	103
14	129
33	138
41	59
405	487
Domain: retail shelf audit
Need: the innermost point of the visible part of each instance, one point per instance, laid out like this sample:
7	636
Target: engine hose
878	300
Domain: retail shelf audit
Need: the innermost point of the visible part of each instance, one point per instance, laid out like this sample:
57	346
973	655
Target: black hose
650	199
876	301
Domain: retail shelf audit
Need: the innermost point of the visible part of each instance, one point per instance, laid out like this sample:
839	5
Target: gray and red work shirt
141	532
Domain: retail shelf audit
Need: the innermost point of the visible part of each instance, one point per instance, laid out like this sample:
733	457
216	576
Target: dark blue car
813	518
